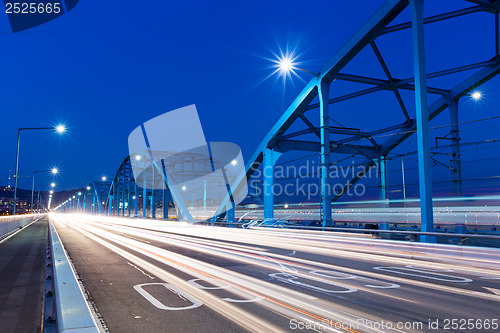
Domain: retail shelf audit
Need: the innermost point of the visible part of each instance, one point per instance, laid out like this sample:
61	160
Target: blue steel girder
441	104
368	32
98	190
434	109
287	145
123	187
377	24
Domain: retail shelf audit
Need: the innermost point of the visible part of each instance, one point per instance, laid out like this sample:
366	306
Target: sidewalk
22	259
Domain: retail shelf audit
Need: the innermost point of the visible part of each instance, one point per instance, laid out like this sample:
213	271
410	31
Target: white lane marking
196	303
215	282
424	274
493	290
430	269
344	276
294	280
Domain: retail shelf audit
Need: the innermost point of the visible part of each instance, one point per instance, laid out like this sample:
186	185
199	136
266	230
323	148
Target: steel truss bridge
296	129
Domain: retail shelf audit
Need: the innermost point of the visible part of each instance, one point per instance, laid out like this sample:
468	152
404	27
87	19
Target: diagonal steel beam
435	108
310	125
436	18
389	10
378	21
386	84
389	76
438	106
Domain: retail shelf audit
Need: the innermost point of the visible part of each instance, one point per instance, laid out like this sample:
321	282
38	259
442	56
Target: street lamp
103	178
476	95
59	129
52	185
53	171
286	64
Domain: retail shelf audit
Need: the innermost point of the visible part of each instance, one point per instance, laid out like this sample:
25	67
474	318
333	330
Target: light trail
290	274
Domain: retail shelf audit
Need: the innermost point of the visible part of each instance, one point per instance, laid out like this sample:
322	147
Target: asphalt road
158	276
22	279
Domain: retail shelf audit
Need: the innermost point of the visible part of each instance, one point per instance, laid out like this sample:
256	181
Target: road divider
72	312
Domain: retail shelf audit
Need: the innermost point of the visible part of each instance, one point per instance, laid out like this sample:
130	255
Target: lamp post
52	185
54	171
59	129
78	204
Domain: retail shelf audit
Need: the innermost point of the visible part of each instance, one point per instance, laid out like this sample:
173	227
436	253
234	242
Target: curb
71	311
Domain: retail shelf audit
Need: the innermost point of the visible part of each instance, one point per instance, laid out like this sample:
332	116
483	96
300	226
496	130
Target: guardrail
67	307
11	224
381	231
482	257
349	229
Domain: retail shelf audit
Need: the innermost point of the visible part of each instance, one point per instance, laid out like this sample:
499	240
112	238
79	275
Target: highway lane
152	276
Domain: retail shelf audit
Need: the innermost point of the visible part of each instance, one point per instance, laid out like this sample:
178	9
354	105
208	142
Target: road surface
160	276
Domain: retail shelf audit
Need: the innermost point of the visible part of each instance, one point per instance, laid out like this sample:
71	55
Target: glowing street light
60	128
88	188
287	63
234	162
53	171
52	184
476	95
103	178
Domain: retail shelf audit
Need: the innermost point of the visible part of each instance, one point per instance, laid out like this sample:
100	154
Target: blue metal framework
279	141
124	197
95	197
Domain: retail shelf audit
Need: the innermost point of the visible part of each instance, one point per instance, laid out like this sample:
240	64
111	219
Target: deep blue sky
107	66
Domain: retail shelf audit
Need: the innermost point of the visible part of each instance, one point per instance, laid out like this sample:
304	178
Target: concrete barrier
10	224
72	311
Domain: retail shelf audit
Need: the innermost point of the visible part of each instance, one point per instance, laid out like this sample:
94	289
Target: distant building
22	206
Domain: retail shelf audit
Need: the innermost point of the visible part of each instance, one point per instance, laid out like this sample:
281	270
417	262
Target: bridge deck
22	260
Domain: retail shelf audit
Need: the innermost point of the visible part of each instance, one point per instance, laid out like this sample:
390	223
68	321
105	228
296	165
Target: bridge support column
129	192
123	194
230	215
110	204
165	202
144	196
326	187
456	163
422	117
153	204
136	201
115	199
384	197
269	161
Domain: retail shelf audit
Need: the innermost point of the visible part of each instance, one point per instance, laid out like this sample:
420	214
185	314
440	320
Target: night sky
108	66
